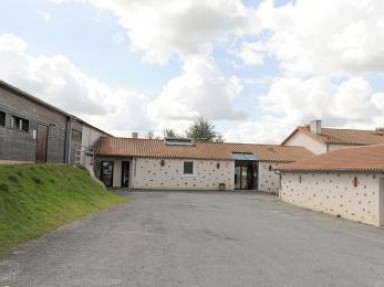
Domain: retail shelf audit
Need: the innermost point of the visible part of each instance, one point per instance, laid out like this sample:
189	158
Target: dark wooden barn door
41	144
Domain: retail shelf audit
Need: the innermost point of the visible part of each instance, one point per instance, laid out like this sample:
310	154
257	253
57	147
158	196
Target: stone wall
269	180
354	196
169	174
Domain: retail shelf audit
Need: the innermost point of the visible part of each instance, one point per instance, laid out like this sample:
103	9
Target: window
188	167
76	136
2	118
20	124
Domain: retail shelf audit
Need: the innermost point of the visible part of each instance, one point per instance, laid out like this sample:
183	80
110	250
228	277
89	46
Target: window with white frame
188	167
20	124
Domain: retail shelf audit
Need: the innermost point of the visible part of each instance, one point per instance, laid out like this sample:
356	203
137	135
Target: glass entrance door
245	175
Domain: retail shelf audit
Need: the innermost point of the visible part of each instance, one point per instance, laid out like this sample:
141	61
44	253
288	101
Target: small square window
188	167
20	124
2	118
76	136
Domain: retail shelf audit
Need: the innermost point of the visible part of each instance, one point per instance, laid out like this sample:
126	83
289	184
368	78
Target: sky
255	69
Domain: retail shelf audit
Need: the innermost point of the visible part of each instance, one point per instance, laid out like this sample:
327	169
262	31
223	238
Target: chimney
315	127
135	135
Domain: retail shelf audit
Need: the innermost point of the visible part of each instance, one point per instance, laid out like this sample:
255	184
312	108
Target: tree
170	133
201	129
150	135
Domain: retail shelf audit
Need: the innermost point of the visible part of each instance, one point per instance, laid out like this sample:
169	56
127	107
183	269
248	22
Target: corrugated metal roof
131	147
366	158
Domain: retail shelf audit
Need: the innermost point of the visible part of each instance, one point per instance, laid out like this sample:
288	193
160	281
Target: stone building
348	183
181	164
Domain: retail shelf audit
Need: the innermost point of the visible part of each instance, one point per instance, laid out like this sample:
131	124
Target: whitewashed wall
268	180
149	174
335	193
88	139
300	139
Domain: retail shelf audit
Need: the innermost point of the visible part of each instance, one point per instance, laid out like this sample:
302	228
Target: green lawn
35	199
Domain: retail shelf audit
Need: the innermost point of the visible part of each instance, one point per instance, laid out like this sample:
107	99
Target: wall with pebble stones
354	196
269	180
168	174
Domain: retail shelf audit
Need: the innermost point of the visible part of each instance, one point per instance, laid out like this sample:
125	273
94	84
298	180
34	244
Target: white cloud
325	49
59	82
321	37
251	53
162	29
295	101
202	90
44	15
313	41
267	131
298	100
118	38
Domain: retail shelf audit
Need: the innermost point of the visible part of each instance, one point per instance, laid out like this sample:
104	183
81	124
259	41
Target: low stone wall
354	196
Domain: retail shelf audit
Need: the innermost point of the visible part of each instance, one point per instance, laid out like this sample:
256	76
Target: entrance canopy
244	156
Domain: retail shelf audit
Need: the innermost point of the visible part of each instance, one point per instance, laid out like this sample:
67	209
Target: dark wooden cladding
20	145
32	130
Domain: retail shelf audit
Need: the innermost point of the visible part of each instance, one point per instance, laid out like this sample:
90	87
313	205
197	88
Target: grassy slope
38	198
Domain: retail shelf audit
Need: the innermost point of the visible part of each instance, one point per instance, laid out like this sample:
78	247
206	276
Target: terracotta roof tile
344	136
130	147
366	158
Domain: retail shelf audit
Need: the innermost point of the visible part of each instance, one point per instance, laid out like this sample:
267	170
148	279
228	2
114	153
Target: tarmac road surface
201	239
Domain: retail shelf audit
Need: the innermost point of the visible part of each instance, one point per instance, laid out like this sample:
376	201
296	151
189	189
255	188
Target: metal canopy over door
125	174
245	170
41	144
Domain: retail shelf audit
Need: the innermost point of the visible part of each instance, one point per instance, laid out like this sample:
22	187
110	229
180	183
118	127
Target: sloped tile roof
149	148
270	152
366	158
342	136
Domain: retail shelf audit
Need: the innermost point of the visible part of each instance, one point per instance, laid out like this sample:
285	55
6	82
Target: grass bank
35	199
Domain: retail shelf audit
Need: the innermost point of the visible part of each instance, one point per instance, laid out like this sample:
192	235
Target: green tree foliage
170	133
150	135
203	130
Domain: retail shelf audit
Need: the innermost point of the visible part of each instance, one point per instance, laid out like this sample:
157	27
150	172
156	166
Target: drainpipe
279	173
68	140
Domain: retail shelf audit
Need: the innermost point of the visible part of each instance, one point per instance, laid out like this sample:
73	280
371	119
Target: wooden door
41	144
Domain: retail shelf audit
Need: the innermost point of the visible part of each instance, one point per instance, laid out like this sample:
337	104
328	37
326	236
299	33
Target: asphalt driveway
201	239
